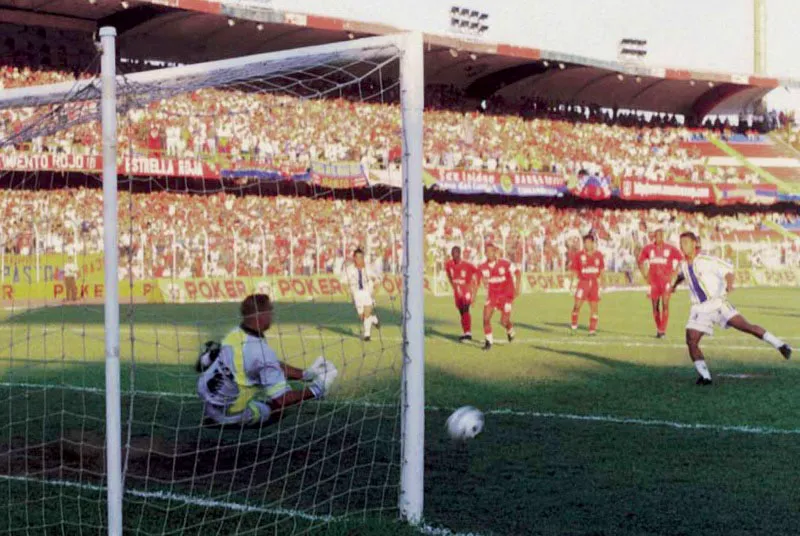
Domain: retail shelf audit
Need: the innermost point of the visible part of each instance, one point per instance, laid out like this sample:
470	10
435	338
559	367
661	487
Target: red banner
167	167
49	162
642	190
138	166
338	182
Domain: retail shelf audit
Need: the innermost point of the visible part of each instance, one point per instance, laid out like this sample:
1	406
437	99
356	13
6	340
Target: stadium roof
190	31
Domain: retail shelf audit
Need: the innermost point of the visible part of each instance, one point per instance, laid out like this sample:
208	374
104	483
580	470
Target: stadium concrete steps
761	172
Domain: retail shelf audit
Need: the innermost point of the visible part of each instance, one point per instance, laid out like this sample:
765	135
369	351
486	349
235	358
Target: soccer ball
465	423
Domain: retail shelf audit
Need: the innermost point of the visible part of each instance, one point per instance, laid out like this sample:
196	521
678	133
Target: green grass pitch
605	435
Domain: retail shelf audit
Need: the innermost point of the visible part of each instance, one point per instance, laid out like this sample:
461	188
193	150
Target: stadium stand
288	235
280	130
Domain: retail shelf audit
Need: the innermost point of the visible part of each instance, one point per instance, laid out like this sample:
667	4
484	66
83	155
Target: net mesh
240	177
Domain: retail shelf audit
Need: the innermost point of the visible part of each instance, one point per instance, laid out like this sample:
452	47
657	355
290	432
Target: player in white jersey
361	280
242	382
710	280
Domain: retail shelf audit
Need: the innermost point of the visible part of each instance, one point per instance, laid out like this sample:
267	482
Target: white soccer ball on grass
465	423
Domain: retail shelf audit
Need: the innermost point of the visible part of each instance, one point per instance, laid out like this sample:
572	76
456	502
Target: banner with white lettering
642	190
136	166
489	182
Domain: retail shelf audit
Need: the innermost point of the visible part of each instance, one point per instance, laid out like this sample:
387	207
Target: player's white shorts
703	316
362	299
256	412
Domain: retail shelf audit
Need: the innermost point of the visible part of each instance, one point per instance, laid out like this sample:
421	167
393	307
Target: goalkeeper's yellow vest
247	389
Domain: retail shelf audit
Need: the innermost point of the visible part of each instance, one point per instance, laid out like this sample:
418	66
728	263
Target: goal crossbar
186	78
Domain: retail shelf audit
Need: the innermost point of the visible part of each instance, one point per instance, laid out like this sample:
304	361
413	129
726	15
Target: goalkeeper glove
323	382
208	355
319	366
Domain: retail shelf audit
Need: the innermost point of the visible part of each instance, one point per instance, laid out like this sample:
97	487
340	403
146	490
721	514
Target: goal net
256	175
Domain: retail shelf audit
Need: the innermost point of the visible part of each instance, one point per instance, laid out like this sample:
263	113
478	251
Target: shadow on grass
324	315
449	336
594	358
342	455
531	327
566	328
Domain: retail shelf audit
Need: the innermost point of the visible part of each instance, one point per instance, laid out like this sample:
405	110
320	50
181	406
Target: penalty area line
180	498
606	419
430	530
742	429
213	503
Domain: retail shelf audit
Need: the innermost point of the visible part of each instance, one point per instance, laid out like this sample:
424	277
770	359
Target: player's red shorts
588	290
502	302
659	288
463	300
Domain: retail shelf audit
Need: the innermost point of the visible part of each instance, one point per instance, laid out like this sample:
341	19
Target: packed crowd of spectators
790	132
22	76
233	127
182	235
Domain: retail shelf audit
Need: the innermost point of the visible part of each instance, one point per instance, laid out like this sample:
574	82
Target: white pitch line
440	531
743	429
574	341
641	344
225	505
177	497
93	390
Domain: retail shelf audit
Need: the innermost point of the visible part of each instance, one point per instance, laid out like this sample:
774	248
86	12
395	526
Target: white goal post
112	95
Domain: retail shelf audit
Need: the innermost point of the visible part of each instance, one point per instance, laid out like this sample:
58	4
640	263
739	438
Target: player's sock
772	339
593	320
374	320
574	320
490	338
657	318
702	369
466	323
664	320
367	326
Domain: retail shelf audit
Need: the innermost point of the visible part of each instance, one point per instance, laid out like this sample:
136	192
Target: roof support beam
30	18
129	19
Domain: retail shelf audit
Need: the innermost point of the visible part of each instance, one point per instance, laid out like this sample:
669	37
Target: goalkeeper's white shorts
703	316
256	412
362	299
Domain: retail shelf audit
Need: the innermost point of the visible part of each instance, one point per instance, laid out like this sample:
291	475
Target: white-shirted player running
710	279
361	279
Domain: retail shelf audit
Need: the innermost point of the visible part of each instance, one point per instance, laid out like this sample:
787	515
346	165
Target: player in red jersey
662	262
463	278
503	281
588	265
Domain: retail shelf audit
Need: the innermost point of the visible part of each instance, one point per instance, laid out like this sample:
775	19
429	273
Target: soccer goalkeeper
242	382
